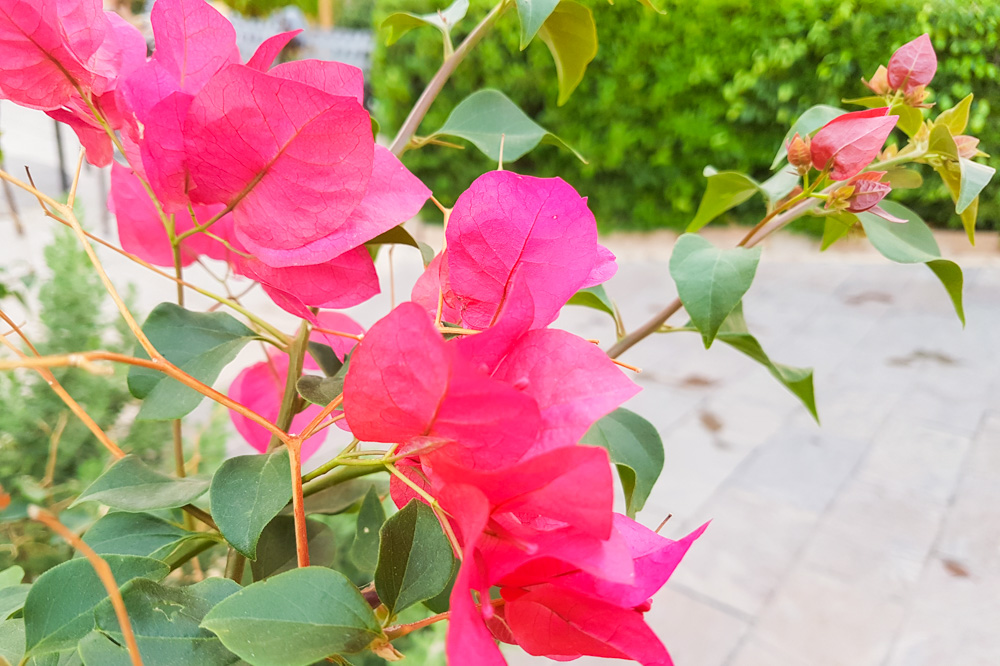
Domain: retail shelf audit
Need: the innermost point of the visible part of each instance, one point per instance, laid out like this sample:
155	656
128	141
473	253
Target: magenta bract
849	143
913	64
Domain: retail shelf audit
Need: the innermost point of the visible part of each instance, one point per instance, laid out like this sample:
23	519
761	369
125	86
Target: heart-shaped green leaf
635	448
247	492
414	558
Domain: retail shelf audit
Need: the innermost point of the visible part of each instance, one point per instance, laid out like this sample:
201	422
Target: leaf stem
290	398
434	86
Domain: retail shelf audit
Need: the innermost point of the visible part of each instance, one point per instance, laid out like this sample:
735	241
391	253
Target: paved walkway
873	540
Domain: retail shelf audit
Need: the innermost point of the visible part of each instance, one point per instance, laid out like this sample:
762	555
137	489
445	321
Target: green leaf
444	20
12	599
635	448
371	516
910	119
595	298
533	14
486	116
398	235
130	485
571	35
414	558
725	190
320	390
951	176
11	576
914	243
951	277
956	119
835	227
276	551
12	642
59	610
797	380
711	282
942	143
199	343
247	492
427	253
295	619
869	102
123	533
975	177
326	358
780	185
900	178
337	499
811	120
166	622
96	649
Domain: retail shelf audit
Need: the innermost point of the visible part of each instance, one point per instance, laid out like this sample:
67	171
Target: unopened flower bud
839	199
799	154
968	146
867	190
915	97
880	81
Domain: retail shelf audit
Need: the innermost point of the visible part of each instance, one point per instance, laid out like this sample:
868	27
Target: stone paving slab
874	539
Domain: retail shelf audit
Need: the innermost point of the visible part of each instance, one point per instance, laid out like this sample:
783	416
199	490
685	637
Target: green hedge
711	82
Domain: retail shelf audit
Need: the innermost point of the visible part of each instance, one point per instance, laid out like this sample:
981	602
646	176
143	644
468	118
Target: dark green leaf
635	448
442	601
975	177
320	390
12	599
486	116
326	358
130	485
596	298
444	20
398	235
199	343
414	558
364	550
811	120
571	35
711	282
533	14
59	610
96	649
956	119
797	380
123	533
166	622
342	496
276	551
295	619
725	190
247	492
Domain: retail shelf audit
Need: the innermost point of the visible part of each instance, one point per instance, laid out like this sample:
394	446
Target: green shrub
711	82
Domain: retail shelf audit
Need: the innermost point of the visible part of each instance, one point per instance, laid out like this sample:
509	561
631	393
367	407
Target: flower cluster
274	170
488	425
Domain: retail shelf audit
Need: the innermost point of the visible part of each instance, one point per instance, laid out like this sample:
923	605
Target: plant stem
435	85
290	398
298	504
338	476
235	563
86	359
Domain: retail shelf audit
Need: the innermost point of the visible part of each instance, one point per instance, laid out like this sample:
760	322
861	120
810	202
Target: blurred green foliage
711	82
346	13
47	456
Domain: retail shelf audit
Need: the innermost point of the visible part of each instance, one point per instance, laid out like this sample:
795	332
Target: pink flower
849	143
260	387
539	228
913	64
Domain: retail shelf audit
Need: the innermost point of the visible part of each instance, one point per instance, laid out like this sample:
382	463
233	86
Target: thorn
626	366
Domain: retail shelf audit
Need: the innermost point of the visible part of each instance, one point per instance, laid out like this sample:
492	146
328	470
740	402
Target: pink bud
913	64
968	146
880	81
799	155
848	143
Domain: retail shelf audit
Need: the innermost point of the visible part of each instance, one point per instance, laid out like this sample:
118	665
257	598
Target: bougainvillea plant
499	433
